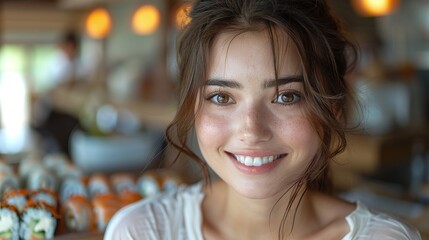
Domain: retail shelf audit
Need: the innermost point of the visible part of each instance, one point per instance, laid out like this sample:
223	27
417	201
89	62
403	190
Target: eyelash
296	98
217	94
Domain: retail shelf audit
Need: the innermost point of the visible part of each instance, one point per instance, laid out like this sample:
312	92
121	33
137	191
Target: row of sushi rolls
46	196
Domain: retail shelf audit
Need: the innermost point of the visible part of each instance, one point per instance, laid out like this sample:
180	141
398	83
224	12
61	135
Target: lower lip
256	170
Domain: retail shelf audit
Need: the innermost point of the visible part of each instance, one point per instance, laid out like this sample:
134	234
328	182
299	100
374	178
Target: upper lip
264	159
256	154
256	161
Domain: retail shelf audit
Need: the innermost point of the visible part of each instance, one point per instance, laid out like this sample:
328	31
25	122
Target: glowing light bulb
146	20
375	7
98	23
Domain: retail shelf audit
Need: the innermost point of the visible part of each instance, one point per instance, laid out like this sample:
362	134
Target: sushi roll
61	165
149	184
45	195
70	170
170	180
38	221
42	177
73	186
78	214
98	184
17	198
9	222
127	197
27	165
8	181
55	161
123	182
104	207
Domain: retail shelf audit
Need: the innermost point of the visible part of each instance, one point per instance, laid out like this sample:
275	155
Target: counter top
72	100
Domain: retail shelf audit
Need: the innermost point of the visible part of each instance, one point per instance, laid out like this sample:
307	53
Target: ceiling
31	1
65	4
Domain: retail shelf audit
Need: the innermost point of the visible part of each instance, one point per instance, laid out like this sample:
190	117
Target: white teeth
255	161
264	160
248	161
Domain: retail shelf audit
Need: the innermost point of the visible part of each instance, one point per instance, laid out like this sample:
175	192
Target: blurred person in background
66	65
66	71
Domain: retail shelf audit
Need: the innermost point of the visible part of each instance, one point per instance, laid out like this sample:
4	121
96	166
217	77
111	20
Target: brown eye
221	99
287	98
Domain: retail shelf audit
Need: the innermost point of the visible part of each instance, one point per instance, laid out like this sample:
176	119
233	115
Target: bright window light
14	101
13	112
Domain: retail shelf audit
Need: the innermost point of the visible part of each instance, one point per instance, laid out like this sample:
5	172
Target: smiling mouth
256	161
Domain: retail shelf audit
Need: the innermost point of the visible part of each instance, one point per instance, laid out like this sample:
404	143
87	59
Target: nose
254	125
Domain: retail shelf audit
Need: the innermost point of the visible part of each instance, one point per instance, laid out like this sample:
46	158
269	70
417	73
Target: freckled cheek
211	129
299	133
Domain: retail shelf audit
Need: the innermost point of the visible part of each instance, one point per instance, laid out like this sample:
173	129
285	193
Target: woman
262	85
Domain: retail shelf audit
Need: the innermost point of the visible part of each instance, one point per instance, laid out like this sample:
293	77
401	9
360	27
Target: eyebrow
283	81
223	83
265	84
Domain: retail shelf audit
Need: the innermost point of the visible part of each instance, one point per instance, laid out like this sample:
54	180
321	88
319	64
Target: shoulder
330	208
154	218
369	224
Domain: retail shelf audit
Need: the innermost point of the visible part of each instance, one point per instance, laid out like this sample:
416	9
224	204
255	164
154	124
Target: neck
232	216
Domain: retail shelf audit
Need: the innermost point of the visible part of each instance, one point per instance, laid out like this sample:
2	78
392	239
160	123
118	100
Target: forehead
254	52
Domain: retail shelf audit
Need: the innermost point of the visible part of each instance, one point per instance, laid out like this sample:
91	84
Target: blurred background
94	80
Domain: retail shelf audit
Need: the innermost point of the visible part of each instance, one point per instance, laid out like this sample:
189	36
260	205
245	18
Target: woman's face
256	139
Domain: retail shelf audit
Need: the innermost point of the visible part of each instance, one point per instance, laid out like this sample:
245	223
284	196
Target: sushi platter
49	197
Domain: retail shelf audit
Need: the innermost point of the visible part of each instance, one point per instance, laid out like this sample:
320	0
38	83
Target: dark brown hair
325	53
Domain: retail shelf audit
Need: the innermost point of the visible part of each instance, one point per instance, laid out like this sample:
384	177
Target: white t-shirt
64	69
176	215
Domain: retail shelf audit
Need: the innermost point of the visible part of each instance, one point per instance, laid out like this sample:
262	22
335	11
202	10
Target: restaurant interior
87	88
